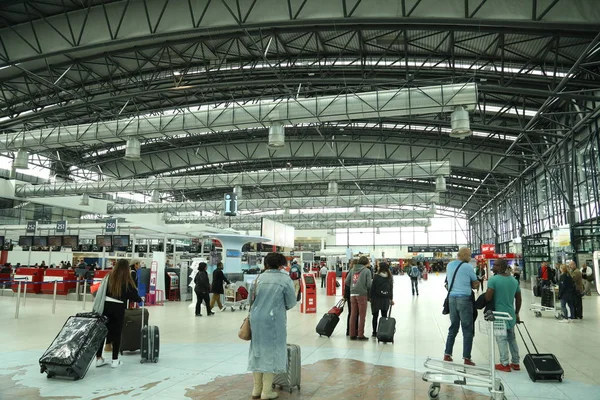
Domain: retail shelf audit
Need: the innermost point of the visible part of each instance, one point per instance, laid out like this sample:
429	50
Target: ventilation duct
276	135
21	160
155	197
332	188
459	122
133	150
440	183
85	200
238	191
432	209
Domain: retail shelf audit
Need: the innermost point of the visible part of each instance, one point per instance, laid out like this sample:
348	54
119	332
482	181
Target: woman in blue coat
271	296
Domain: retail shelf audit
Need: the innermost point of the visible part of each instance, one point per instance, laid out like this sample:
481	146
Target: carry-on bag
75	346
291	378
131	338
338	309
547	297
386	328
540	367
150	341
327	324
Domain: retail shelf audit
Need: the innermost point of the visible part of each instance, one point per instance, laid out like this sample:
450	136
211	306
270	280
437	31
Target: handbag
245	332
446	309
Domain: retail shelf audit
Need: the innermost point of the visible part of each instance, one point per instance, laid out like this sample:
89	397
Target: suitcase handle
528	334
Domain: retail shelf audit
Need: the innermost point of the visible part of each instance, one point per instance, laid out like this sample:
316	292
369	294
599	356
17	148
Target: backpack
383	288
294	274
414	272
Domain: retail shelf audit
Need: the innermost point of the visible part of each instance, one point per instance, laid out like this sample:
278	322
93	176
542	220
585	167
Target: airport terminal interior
171	133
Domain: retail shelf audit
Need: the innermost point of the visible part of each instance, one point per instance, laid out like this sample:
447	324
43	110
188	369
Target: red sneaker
469	362
448	358
515	367
503	368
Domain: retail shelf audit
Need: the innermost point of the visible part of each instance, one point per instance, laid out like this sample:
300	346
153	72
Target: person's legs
412	285
349	303
502	342
578	306
454	325
375	312
571	308
514	347
119	317
213	299
205	297
465	311
353	315
362	315
322	281
417	286
563	307
198	304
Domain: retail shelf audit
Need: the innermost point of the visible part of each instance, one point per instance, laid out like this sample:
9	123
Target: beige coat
577	280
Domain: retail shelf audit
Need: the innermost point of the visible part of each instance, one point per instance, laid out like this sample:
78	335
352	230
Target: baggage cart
542	304
450	373
233	299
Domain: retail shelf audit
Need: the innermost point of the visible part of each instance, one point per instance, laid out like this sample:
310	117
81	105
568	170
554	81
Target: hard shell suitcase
150	342
327	324
386	328
75	346
292	377
131	338
540	367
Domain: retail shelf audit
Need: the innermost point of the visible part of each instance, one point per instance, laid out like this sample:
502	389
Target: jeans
322	281
359	307
199	298
414	283
506	343
564	302
461	314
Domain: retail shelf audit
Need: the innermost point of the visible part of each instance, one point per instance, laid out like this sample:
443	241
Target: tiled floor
202	358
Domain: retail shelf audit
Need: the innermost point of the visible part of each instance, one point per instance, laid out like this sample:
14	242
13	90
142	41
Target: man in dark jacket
218	280
202	289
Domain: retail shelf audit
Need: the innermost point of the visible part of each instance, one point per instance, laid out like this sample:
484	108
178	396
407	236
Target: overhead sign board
61	227
231	204
432	249
111	226
31	227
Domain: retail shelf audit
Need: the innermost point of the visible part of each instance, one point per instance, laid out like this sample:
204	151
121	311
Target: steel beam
316	224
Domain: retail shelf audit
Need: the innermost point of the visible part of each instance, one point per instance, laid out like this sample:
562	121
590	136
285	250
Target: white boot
267	392
258	385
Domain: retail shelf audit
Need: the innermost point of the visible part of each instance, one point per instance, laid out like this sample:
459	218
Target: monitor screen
104	241
1	241
25	240
55	241
40	241
309	279
70	241
120	240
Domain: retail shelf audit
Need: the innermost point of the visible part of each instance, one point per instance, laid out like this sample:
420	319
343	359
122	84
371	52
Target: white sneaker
564	321
223	308
100	362
115	363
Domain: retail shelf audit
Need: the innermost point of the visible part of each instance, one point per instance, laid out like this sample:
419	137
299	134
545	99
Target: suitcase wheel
538	314
141	361
50	375
290	390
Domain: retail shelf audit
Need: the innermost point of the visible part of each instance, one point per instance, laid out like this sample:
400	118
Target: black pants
578	303
199	298
322	282
415	285
383	309
115	312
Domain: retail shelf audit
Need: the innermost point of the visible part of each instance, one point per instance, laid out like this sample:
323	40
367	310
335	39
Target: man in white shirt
323	273
588	277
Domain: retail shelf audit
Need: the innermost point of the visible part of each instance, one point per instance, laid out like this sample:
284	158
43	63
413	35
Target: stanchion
18	301
77	289
84	295
54	298
25	293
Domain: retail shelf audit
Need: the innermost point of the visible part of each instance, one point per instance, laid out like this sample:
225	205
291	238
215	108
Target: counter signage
432	249
111	226
153	276
31	227
61	227
233	253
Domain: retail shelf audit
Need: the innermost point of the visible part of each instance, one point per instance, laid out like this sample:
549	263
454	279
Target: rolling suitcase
386	328
292	377
327	324
547	297
75	346
540	367
131	339
150	341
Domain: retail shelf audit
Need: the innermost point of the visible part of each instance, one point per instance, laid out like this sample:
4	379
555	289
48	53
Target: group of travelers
203	288
571	290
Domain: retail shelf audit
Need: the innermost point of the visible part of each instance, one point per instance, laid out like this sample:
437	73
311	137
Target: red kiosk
331	283
60	275
35	275
308	286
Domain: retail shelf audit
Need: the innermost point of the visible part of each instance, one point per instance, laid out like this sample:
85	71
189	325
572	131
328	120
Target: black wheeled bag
150	342
386	328
74	348
327	324
131	338
540	367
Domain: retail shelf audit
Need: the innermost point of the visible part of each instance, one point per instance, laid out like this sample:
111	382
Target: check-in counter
100	274
35	275
66	281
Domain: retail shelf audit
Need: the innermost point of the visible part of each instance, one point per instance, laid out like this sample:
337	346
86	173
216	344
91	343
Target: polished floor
202	358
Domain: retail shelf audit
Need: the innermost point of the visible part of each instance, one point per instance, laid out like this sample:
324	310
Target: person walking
579	292
382	294
414	274
347	297
566	292
505	293
360	286
120	289
218	281
323	273
481	276
462	280
202	289
295	275
270	296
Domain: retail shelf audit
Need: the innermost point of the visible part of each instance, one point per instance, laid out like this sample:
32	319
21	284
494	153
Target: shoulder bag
245	332
446	309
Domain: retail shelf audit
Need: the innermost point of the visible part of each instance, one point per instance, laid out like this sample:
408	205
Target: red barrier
35	275
60	275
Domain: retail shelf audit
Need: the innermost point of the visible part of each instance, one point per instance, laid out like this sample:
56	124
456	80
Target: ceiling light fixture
276	135
133	150
21	160
440	183
85	200
459	122
332	188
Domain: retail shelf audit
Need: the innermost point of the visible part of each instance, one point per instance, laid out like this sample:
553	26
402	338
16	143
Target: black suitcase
547	297
540	367
131	337
150	342
74	348
327	324
386	329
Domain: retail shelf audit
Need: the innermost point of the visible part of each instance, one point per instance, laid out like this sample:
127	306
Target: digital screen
70	241
26	241
40	241
55	241
104	241
120	240
309	279
1	241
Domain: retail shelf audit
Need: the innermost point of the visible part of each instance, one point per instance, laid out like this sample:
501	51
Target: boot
267	392
258	385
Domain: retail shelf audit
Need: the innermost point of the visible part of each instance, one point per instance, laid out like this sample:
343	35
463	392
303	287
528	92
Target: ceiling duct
276	135
133	150
259	114
432	208
459	122
238	191
21	160
440	183
85	200
332	188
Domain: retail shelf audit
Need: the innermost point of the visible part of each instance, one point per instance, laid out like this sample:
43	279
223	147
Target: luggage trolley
234	299
547	300
449	373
